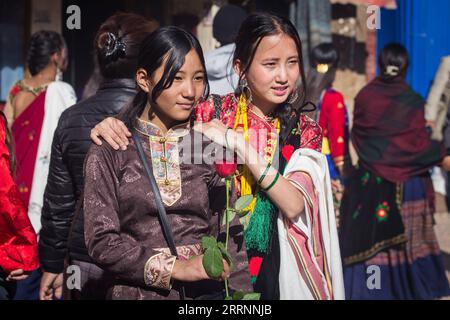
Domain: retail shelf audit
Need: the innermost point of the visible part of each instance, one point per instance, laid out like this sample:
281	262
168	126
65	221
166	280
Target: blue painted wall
423	27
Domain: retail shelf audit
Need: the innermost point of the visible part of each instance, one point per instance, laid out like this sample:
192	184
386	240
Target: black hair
43	44
171	43
324	53
226	23
254	28
393	61
117	43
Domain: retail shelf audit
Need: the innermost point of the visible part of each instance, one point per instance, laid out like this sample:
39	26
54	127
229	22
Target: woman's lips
185	106
280	91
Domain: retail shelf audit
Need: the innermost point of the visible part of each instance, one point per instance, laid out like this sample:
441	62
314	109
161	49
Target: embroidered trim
301	189
363	256
184	252
158	271
165	158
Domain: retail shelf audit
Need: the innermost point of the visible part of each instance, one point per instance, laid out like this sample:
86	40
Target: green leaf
231	215
226	255
213	262
242	213
228	298
238	295
252	296
245	221
243	202
208	242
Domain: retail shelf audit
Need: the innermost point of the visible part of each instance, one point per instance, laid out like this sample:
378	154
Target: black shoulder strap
167	231
217	105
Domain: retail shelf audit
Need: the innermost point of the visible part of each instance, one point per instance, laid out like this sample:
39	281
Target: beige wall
46	15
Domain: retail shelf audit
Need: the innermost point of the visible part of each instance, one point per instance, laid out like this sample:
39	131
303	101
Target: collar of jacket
119	83
152	130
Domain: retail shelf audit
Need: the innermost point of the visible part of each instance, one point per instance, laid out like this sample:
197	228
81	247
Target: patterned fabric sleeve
205	110
127	260
310	134
18	242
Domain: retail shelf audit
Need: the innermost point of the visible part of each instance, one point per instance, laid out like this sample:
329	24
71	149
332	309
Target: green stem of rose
227	187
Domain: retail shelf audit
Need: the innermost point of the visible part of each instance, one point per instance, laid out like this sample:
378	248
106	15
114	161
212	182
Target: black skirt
370	220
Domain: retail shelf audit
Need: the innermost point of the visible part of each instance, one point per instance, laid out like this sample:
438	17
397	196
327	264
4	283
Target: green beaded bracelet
265	173
273	183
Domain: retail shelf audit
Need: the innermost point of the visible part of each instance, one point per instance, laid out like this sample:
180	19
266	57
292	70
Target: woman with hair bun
116	46
388	204
33	108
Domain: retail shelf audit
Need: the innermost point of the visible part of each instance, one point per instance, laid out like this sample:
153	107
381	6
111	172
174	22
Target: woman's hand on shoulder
113	131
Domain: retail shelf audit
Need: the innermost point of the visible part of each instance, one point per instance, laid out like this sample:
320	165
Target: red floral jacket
18	241
309	132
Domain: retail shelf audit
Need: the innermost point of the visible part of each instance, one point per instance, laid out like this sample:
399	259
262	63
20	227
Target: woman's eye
199	78
293	62
270	64
178	78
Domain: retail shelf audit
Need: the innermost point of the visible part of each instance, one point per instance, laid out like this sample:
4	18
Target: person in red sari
290	230
33	109
18	243
25	108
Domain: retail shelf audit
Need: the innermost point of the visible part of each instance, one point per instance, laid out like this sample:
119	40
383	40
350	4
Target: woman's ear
238	68
58	59
55	58
142	80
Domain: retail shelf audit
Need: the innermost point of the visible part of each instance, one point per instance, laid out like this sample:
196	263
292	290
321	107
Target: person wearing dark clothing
117	43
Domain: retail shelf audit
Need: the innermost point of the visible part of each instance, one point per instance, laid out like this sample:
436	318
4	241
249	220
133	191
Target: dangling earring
245	89
59	74
293	97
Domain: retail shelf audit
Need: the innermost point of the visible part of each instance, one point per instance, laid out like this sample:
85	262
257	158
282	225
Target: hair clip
322	68
392	71
115	48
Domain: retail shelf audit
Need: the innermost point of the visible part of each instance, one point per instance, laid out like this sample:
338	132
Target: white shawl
59	97
292	285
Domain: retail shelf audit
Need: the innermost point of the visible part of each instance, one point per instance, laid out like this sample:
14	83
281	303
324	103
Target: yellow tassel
247	177
242	121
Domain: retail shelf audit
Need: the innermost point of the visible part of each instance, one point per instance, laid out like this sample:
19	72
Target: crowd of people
113	185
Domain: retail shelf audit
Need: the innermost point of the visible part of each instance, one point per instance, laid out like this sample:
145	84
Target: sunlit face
177	102
274	71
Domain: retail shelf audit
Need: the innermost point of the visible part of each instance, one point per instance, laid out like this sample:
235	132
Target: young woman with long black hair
290	231
123	232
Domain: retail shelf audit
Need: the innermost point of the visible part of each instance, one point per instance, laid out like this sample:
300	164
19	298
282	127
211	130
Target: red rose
225	169
287	151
